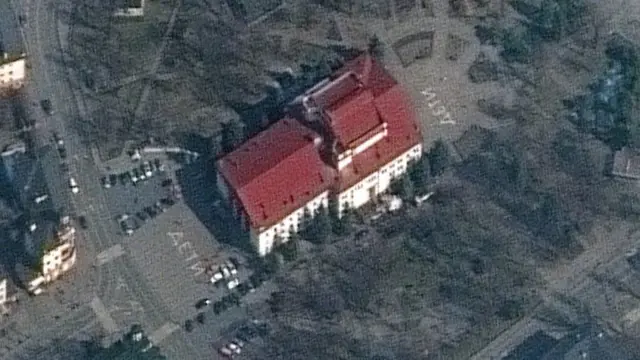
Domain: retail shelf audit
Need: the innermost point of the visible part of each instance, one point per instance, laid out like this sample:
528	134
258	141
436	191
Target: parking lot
133	204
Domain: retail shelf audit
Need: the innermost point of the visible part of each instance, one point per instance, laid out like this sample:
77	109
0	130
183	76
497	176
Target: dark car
113	179
167	182
142	216
151	211
202	303
63	153
158	164
83	222
124	178
188	325
46	106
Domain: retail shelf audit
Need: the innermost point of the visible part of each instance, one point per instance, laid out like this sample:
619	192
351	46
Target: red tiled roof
352	117
394	107
281	169
276	172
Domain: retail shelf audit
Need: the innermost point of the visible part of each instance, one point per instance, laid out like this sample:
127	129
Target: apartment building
352	135
58	257
12	72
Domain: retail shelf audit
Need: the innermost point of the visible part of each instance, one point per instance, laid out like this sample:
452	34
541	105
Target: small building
58	257
130	8
13	70
626	163
355	134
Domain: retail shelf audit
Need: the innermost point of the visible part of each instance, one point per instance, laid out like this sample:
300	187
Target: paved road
45	35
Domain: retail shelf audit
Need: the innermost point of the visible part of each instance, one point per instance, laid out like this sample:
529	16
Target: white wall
359	194
222	186
55	263
263	239
12	74
3	291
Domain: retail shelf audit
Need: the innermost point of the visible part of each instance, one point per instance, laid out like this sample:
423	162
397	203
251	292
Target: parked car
233	346
139	174
151	211
105	182
216	278
225	272
225	352
202	303
232	267
113	179
142	216
233	284
46	106
126	228
159	165
188	325
82	220
74	186
146	166
167	182
133	176
243	289
124	178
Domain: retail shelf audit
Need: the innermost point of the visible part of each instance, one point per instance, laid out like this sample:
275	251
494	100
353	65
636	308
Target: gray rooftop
626	163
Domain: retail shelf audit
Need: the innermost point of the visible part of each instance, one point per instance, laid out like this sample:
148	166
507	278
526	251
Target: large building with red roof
355	133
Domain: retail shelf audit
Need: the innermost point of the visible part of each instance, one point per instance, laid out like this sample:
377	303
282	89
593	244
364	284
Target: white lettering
429	93
193	256
184	247
440	110
198	269
176	237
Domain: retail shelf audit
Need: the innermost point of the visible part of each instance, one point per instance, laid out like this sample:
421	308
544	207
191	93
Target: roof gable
277	171
353	116
265	151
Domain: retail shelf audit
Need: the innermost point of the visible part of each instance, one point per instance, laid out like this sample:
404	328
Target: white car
231	267
225	272
232	284
41	198
74	186
216	277
147	169
235	348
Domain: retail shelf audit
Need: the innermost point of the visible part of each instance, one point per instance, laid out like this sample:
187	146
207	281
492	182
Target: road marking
162	333
110	254
103	315
187	252
438	109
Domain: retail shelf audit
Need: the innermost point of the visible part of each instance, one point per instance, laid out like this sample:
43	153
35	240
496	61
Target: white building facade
12	72
133	8
266	239
378	182
56	260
